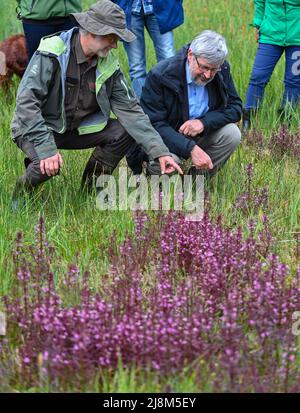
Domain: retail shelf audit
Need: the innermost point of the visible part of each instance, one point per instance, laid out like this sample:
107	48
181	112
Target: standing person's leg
164	48
291	94
68	24
137	70
136	54
163	43
34	31
267	56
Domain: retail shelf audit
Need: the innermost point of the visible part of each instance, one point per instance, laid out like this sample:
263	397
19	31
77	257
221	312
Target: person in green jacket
277	26
65	99
44	17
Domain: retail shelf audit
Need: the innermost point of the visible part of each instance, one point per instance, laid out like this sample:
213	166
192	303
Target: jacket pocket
71	89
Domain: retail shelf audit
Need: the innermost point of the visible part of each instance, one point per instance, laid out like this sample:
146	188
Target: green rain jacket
278	21
44	9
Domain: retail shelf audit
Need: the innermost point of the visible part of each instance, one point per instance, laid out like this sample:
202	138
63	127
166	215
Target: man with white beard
193	104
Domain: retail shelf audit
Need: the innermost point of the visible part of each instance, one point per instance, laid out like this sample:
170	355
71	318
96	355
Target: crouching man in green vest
72	84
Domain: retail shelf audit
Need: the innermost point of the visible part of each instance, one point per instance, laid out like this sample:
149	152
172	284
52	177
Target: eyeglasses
203	68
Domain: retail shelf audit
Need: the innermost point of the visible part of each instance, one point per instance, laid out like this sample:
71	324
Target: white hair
211	46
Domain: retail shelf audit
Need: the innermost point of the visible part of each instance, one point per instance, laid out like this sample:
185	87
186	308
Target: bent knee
233	134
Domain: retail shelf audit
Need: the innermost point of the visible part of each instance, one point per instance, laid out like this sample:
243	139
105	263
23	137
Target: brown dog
13	58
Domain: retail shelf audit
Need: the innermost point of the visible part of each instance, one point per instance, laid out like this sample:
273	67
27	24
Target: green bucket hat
105	17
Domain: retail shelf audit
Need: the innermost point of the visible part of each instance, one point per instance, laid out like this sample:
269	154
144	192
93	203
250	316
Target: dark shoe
153	168
91	173
20	195
21	192
194	172
17	204
247	120
89	176
135	158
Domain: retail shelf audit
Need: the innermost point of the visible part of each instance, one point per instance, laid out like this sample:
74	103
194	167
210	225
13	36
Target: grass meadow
77	229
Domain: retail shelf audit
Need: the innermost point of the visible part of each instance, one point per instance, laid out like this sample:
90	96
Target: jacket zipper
126	88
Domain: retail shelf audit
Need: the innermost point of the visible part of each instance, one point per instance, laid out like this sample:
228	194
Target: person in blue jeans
45	17
277	32
159	18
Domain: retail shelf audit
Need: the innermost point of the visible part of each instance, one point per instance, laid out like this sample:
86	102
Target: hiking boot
92	171
246	120
21	194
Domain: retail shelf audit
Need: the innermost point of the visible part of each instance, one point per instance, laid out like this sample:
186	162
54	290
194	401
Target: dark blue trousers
267	56
34	30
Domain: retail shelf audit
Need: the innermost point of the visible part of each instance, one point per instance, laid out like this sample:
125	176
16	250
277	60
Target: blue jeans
34	31
163	45
267	56
164	48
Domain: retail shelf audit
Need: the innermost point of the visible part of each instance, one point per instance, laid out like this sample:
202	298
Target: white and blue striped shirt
138	4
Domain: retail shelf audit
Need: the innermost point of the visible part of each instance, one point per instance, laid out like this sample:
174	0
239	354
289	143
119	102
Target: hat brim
93	26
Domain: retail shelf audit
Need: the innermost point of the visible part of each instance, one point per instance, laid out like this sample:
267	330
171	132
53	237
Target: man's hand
50	166
200	158
168	165
192	127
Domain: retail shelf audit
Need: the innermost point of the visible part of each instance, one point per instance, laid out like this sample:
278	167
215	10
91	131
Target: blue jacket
165	100
169	14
